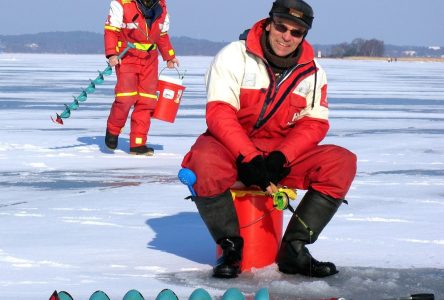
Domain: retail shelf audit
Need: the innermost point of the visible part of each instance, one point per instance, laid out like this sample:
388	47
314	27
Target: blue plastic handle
187	177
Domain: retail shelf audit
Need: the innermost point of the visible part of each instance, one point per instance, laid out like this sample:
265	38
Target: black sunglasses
282	29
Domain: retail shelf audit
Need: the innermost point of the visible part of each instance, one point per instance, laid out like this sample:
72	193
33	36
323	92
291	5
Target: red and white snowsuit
137	74
239	84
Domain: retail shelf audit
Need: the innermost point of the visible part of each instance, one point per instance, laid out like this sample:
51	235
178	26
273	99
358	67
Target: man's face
284	36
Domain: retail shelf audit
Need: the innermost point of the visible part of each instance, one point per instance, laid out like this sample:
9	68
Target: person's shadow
100	142
185	235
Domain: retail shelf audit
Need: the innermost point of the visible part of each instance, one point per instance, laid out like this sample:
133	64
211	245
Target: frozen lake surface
76	217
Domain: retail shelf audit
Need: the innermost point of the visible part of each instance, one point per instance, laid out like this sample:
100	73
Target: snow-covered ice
76	217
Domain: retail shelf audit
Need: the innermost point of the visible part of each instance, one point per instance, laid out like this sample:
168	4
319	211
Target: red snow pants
328	169
136	87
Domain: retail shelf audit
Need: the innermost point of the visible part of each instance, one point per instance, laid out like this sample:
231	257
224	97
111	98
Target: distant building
409	53
32	45
436	48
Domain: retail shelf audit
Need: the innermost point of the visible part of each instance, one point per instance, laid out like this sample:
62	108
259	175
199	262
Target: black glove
253	172
274	163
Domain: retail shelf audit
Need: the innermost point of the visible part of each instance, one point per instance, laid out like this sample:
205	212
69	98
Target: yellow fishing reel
281	198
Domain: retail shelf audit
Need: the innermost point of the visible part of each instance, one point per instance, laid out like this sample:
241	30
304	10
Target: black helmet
295	10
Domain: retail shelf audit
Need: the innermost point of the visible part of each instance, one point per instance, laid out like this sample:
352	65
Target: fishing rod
281	198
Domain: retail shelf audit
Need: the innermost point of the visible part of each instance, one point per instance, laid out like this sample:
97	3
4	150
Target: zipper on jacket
271	95
263	119
147	33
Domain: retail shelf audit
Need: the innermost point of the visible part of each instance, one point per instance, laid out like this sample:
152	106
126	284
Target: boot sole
111	145
294	271
225	276
142	154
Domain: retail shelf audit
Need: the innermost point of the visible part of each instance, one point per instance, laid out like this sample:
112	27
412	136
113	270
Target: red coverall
294	121
137	74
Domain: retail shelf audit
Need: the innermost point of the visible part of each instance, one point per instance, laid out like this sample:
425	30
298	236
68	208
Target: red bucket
170	92
260	226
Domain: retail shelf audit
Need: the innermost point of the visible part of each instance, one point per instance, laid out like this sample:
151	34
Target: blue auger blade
262	294
133	295
66	113
108	71
64	296
99	79
91	88
187	177
99	295
233	294
74	105
200	294
82	97
167	294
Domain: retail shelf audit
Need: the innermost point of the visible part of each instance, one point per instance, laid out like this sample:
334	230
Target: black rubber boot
111	140
229	264
311	216
142	150
220	216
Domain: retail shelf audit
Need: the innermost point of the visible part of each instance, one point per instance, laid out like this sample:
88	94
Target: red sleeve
223	124
165	47
164	43
306	134
111	37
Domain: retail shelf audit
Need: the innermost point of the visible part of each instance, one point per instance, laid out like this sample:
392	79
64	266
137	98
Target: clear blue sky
398	22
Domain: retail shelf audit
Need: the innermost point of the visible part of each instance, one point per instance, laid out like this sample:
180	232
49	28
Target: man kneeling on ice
267	112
